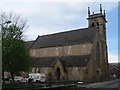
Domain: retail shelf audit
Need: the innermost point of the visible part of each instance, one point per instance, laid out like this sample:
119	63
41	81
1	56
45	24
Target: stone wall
72	73
75	73
82	49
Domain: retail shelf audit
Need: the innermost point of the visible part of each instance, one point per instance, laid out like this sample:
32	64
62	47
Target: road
110	85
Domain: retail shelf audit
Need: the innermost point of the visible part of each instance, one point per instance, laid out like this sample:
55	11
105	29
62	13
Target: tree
15	56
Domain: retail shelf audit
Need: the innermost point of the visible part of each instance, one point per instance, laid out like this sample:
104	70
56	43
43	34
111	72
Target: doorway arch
57	73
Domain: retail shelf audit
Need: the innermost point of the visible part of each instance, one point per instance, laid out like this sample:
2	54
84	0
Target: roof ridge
66	31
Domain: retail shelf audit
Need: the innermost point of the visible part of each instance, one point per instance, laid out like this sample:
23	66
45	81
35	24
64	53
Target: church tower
98	20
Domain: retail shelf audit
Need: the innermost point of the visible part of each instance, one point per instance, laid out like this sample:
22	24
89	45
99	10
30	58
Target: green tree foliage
15	56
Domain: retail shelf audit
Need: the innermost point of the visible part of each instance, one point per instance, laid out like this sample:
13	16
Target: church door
57	73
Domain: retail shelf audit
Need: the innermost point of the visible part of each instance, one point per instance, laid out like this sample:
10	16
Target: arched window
57	73
93	25
98	25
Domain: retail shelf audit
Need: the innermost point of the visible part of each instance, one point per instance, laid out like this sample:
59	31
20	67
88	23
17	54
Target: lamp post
1	75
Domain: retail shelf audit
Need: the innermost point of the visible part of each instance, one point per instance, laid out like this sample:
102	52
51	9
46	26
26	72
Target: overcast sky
52	17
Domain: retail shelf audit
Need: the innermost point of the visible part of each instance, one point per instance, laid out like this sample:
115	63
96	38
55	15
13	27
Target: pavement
108	84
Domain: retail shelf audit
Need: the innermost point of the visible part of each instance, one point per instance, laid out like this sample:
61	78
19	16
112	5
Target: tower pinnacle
104	14
88	11
100	8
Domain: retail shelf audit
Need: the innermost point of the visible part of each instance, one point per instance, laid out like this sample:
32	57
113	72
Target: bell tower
98	20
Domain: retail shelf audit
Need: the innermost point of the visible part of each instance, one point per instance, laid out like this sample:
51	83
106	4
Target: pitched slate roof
44	61
28	43
65	38
116	65
67	61
78	61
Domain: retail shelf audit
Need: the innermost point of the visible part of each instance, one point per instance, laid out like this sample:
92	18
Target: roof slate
67	61
28	43
116	65
65	38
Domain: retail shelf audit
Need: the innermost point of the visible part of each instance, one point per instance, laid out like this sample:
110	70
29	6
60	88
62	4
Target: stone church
73	55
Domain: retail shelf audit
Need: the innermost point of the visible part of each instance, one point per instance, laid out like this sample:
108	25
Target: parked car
37	77
19	79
